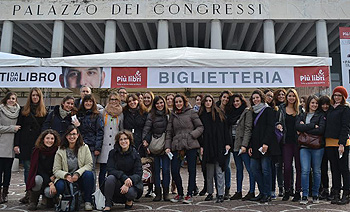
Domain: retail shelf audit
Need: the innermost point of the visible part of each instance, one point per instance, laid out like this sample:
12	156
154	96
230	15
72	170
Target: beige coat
243	130
60	165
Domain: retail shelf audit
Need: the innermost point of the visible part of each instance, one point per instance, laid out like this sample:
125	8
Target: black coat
264	133
30	130
215	137
281	119
56	122
135	122
126	165
317	119
337	123
155	126
91	129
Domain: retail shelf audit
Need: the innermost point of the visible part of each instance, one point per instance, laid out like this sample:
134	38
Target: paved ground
17	191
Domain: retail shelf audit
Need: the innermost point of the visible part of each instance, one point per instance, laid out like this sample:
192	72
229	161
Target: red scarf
34	163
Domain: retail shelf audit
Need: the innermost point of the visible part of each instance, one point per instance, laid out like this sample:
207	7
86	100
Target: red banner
313	76
344	32
129	77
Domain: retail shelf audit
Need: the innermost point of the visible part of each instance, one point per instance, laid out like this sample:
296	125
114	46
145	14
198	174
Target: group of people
265	134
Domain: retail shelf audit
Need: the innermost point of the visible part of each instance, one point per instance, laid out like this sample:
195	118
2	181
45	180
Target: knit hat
341	90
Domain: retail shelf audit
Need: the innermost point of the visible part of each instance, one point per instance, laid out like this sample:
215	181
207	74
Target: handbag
99	200
157	145
309	140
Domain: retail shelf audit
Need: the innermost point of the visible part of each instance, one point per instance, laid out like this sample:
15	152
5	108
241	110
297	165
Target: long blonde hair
296	103
40	110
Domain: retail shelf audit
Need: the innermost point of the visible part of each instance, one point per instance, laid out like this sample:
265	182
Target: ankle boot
227	194
166	194
33	201
25	199
158	196
336	198
345	198
5	192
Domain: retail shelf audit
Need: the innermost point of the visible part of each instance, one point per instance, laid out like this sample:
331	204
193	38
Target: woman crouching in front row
124	181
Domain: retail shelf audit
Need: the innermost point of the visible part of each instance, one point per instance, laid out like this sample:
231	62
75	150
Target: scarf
259	107
33	108
11	112
134	110
236	113
113	111
63	113
34	164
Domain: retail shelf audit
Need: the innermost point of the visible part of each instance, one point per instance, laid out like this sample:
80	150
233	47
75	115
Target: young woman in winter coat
324	104
311	122
148	98
337	144
124	181
61	117
31	119
91	126
112	117
155	126
279	96
223	104
73	163
262	146
287	115
215	144
9	112
41	178
183	130
241	121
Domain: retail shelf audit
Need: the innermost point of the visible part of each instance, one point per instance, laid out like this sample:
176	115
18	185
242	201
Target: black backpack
70	198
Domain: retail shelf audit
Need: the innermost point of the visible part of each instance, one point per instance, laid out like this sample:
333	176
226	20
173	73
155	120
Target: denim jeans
311	158
162	161
26	166
85	182
277	172
191	156
239	160
261	169
228	172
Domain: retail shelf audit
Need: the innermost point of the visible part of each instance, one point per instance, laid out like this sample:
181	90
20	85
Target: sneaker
209	197
88	206
177	198
273	195
236	196
188	199
315	200
303	200
249	196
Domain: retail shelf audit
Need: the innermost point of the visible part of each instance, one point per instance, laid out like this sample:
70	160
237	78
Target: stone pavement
199	205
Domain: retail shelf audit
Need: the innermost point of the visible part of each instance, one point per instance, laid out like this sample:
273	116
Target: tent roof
11	60
187	56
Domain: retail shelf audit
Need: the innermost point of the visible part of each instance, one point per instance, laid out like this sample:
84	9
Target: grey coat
111	128
7	136
183	130
243	130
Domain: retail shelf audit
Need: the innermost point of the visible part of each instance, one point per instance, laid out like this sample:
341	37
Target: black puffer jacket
317	119
124	165
155	126
56	122
91	129
134	121
338	123
30	130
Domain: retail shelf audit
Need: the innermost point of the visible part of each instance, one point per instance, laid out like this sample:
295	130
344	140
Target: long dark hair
94	105
39	143
184	99
142	107
154	108
214	109
65	142
7	96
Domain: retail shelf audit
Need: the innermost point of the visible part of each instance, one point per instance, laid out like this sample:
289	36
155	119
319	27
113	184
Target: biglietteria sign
164	77
172	9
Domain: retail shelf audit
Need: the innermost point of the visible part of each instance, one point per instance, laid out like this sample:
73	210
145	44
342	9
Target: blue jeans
239	160
228	172
164	161
261	169
85	182
311	158
26	166
191	156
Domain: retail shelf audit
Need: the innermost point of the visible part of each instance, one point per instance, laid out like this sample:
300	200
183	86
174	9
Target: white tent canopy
187	57
14	60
